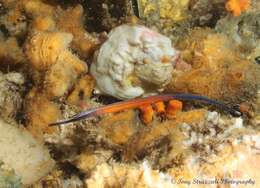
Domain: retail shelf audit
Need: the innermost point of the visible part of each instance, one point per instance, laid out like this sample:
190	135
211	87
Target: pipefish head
234	110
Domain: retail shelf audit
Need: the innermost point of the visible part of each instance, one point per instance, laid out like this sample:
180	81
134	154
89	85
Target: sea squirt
133	61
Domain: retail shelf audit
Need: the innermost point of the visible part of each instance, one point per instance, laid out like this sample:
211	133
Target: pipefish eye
235	111
257	59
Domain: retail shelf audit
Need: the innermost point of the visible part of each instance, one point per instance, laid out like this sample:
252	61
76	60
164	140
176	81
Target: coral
21	152
218	70
186	15
126	67
60	78
37	8
44	49
81	91
70	21
174	10
67	21
237	6
46	23
11	86
119	128
48	52
39	112
11	55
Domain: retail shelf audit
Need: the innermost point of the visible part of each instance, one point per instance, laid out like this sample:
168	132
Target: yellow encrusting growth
82	90
174	10
39	112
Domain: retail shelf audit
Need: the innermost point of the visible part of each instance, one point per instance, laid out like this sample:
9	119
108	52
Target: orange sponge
173	107
147	113
237	6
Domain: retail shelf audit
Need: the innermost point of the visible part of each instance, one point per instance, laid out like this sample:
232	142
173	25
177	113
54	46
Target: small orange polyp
159	107
165	59
173	107
147	113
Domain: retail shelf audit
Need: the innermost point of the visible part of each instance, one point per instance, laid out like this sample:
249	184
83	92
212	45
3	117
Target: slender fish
134	103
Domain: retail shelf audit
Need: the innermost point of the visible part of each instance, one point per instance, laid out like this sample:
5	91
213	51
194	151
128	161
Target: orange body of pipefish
133	104
146	109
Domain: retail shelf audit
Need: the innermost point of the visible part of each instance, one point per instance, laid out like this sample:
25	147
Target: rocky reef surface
59	58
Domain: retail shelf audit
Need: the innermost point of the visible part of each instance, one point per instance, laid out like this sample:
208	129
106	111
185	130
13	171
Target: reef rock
11	86
244	30
21	152
8	178
132	59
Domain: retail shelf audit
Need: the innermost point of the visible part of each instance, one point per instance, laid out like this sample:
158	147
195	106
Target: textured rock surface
19	150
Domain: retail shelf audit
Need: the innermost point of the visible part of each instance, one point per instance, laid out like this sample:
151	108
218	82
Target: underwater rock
11	87
206	12
88	161
132	61
244	30
8	178
121	175
216	149
21	152
181	16
201	145
218	70
104	15
154	141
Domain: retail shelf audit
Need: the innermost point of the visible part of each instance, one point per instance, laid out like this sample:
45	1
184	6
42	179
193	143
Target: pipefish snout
135	103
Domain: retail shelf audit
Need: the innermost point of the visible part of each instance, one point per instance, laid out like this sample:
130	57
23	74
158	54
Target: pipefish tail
134	103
